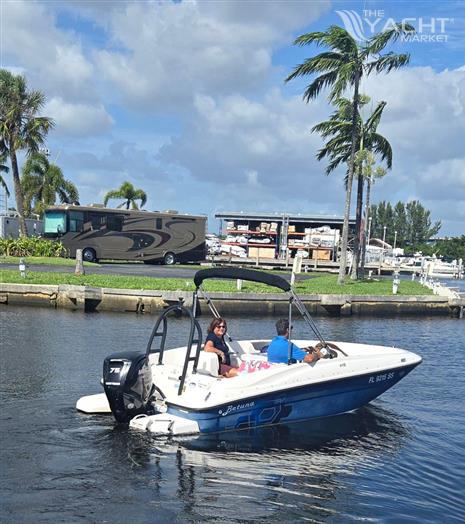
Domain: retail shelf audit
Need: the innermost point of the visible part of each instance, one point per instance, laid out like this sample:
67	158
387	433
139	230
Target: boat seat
208	364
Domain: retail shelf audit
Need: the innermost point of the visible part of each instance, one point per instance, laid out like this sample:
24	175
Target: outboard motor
127	380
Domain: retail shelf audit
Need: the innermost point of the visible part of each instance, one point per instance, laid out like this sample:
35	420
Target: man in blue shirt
278	350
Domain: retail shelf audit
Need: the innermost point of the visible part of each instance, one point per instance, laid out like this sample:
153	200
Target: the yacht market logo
362	26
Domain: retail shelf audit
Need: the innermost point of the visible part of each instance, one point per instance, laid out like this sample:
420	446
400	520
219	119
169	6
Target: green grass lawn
58	261
320	284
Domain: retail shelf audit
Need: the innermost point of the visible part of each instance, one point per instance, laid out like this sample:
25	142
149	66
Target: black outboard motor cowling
127	380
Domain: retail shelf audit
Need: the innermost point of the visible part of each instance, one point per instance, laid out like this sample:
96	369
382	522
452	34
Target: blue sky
187	100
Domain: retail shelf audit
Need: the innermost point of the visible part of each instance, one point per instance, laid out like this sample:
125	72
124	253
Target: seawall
88	299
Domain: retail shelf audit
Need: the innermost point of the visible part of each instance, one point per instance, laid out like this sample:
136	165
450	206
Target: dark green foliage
30	247
451	248
411	221
42	182
3	169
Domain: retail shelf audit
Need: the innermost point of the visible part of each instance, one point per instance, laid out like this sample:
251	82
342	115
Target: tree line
407	225
410	227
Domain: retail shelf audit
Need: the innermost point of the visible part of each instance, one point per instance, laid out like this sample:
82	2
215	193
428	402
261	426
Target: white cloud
51	59
425	115
424	121
445	180
78	119
262	152
173	52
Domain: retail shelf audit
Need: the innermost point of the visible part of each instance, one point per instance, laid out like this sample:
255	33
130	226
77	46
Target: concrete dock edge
87	298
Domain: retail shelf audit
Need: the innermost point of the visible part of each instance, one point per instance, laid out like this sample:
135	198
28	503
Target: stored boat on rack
179	391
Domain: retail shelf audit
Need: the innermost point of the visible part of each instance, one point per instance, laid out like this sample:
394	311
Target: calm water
400	460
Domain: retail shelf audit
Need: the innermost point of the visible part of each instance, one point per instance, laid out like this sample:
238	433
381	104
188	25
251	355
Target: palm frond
67	192
315	64
116	193
5	187
36	163
142	196
340	39
383	148
379	41
332	127
333	164
318	84
387	63
317	37
373	120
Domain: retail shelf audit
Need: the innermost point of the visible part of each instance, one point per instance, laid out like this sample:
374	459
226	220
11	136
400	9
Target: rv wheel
88	254
169	259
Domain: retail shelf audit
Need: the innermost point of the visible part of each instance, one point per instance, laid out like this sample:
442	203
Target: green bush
30	247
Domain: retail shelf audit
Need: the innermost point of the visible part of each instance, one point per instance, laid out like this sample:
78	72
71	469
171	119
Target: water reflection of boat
286	473
176	391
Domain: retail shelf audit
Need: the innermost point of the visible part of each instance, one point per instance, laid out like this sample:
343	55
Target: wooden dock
324	266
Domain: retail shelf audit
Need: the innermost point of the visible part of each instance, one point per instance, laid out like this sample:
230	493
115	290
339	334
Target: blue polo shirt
278	350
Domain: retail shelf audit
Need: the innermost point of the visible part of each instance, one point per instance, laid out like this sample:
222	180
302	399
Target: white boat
172	391
440	269
434	267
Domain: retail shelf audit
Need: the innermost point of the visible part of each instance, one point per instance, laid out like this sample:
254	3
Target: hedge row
30	247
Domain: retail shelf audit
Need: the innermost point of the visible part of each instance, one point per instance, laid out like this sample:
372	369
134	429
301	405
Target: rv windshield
55	222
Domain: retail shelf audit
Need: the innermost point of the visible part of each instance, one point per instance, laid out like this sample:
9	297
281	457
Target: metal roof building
312	220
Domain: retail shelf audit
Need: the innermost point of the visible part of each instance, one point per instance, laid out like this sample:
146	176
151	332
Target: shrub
31	247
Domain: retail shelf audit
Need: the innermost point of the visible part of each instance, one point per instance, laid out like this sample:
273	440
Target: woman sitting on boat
215	343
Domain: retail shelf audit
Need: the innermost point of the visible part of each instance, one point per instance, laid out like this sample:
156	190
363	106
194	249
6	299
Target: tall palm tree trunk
350	177
18	193
367	221
358	224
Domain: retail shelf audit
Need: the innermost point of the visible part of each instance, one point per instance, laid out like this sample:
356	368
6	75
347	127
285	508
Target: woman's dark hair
216	322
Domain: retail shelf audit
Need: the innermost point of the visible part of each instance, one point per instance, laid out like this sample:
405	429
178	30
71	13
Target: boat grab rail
194	331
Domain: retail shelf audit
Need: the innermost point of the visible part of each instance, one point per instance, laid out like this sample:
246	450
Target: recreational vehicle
120	234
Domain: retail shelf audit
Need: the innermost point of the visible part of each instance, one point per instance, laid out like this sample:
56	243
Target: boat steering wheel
331	347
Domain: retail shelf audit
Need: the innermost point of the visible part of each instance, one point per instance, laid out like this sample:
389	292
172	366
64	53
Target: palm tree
3	169
127	192
20	128
42	183
344	66
366	162
338	149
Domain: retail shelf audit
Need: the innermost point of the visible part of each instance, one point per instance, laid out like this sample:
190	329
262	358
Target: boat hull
296	404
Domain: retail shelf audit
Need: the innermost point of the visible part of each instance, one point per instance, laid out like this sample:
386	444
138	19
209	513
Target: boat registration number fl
381	378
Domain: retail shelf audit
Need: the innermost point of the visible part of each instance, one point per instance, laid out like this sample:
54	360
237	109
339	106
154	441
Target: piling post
79	271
